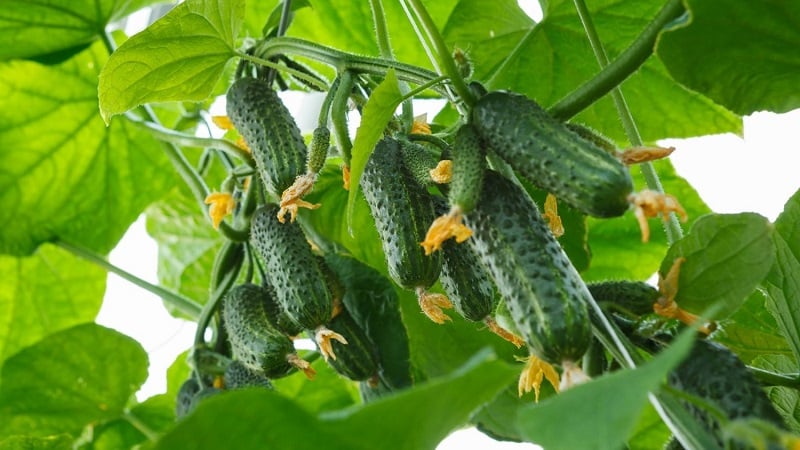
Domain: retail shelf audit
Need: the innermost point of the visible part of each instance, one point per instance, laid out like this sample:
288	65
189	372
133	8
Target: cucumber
190	394
239	376
357	360
294	273
277	317
269	130
551	156
469	166
402	210
543	292
714	373
419	161
254	342
631	297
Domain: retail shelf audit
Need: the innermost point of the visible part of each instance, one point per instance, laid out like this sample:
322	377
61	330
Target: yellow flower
222	204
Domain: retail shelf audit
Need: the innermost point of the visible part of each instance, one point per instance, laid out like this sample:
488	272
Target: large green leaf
547	60
179	57
743	55
59	442
783	281
327	391
785	399
257	419
602	413
30	29
752	331
43	293
726	257
79	376
64	174
151	417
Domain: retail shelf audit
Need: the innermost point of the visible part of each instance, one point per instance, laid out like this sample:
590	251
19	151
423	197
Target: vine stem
178	301
444	57
385	48
672	227
143	428
621	68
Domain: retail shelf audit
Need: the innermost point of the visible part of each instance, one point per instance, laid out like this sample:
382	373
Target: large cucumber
269	130
544	293
551	156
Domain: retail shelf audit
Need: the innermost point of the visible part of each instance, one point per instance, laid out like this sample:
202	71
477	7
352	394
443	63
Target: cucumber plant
522	120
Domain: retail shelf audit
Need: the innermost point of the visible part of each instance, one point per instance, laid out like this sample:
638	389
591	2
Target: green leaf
616	247
326	392
601	413
726	257
378	111
422	416
548	60
742	55
43	293
752	331
59	442
83	375
650	431
137	426
785	399
65	175
782	284
179	57
32	29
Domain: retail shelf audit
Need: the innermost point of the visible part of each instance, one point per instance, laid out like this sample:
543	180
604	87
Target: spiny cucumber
631	297
269	130
552	156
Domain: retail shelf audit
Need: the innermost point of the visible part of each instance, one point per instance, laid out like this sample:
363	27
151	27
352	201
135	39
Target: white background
757	173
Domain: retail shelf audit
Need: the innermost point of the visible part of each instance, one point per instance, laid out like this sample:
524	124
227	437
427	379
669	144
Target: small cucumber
253	340
631	297
402	210
551	156
543	292
295	274
419	161
269	130
357	360
239	376
469	165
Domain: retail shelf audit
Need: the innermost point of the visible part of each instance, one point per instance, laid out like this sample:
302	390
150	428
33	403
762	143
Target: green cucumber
357	360
419	161
469	165
631	297
544	293
551	156
253	340
320	143
277	317
293	269
715	374
239	376
190	394
269	130
402	210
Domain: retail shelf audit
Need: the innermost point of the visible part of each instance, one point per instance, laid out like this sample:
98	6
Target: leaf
786	400
782	285
788	224
601	413
327	391
59	442
257	419
43	293
727	256
65	175
617	251
422	416
549	59
155	415
740	54
751	331
85	374
378	111
179	57
33	29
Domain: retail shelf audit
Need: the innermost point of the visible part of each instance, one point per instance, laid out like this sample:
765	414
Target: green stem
176	137
324	110
443	53
342	61
615	73
767	378
339	111
672	227
273	65
385	48
179	302
142	427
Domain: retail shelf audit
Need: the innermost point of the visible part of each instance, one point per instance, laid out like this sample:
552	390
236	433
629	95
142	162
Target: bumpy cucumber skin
320	143
464	279
295	275
403	211
270	131
357	360
469	165
190	394
716	374
636	297
253	340
239	376
551	156
418	160
276	315
543	292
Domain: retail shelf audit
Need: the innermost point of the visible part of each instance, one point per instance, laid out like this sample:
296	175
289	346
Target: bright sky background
757	173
